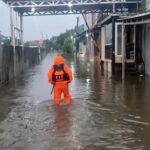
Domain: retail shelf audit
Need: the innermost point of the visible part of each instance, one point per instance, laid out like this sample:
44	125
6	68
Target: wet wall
146	52
25	58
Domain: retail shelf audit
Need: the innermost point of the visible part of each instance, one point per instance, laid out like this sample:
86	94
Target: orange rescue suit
60	75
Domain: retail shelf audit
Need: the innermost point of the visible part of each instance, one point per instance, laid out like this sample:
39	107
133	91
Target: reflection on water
62	121
105	113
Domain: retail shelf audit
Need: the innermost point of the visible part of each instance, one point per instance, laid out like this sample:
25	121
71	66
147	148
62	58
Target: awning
108	19
143	18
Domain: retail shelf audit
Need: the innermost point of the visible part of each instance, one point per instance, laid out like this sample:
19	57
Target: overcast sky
35	27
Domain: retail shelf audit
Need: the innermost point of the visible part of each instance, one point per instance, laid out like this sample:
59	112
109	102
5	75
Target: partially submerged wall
24	59
6	65
146	52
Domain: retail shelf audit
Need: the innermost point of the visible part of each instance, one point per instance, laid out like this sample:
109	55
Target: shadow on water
62	122
11	93
6	99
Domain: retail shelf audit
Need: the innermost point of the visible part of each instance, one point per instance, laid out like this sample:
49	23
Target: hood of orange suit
58	60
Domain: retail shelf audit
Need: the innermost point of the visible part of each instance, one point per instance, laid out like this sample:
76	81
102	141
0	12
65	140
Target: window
108	39
119	40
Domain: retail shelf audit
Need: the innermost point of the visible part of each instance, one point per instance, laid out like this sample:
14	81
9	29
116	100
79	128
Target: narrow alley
104	114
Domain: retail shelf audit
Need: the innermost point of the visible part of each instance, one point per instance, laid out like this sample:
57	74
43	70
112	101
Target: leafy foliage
62	42
142	7
68	45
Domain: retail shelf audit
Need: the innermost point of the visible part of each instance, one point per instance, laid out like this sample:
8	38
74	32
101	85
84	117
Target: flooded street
105	114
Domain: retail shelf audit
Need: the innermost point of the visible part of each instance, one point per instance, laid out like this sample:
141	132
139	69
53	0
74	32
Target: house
125	43
86	37
36	43
139	25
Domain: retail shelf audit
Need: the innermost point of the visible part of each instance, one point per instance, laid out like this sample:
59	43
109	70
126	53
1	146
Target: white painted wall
103	43
89	20
146	52
82	49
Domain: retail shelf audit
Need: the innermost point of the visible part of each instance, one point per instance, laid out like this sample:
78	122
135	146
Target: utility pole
42	35
77	40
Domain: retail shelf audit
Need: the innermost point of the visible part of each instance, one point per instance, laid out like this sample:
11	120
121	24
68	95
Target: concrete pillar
16	29
21	29
113	47
123	51
92	48
22	40
13	37
12	27
134	42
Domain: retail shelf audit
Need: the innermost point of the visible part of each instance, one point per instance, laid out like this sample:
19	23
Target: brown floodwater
105	114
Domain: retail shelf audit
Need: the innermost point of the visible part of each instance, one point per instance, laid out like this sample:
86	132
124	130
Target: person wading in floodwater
60	75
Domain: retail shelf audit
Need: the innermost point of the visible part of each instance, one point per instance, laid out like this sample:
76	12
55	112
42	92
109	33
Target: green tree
142	7
68	45
62	42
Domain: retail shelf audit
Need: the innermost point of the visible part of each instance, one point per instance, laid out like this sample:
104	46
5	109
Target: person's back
60	76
